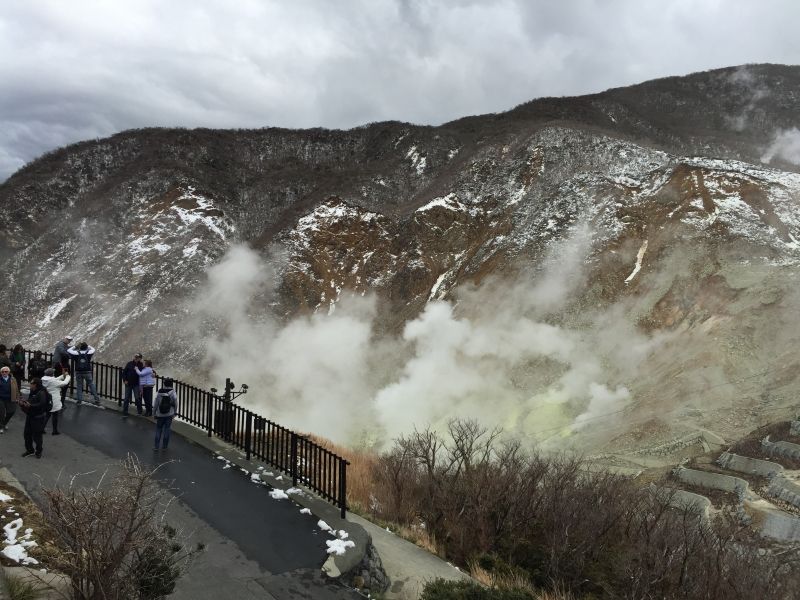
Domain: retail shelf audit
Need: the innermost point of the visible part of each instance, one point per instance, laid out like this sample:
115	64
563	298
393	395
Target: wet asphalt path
257	547
274	534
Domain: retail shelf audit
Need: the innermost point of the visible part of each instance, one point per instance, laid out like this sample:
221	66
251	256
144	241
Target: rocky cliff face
688	247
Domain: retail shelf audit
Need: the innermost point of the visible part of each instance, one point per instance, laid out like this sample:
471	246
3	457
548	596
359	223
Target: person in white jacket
54	385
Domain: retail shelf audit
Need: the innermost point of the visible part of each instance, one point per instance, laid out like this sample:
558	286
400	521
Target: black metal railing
306	462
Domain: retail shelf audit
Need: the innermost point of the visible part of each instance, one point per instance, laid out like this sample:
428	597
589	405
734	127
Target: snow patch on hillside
418	161
54	310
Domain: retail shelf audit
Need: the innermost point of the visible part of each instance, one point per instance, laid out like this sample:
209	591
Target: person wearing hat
132	387
54	385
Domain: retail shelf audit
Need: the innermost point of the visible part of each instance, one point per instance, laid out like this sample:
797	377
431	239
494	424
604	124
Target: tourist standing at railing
82	361
18	364
35	408
131	380
37	365
61	360
54	385
147	381
165	408
61	354
9	396
5	361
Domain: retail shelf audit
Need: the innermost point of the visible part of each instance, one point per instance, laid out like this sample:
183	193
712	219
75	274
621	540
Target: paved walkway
256	547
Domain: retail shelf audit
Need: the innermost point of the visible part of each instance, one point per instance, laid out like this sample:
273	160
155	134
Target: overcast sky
78	69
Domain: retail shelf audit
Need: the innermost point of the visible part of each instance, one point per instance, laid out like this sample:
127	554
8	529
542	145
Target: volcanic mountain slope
685	237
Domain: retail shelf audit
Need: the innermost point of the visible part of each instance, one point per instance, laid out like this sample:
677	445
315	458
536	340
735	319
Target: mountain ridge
627	246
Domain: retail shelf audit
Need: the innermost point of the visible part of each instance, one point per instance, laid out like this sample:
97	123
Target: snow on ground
278	495
200	212
417	160
338	547
305	511
450	202
54	310
639	257
15	547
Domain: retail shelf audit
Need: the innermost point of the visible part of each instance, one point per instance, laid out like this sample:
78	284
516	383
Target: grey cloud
85	69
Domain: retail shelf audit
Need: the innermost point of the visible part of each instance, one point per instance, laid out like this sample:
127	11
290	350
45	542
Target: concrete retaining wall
785	489
752	466
786	449
713	481
682	499
779	525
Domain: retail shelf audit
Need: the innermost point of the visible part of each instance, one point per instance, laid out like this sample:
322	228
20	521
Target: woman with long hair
18	364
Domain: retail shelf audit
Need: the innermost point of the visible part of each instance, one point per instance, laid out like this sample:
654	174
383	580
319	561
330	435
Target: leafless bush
598	533
113	547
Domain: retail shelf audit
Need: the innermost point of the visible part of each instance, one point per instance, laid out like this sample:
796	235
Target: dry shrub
598	533
112	545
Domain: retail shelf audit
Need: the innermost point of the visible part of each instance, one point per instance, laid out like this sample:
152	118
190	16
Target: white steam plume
785	146
502	354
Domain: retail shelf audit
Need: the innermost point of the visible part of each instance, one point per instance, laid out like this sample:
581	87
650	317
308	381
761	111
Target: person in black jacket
5	360
37	365
131	380
35	408
61	361
18	364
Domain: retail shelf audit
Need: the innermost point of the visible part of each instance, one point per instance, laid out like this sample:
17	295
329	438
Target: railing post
343	487
248	433
209	412
293	458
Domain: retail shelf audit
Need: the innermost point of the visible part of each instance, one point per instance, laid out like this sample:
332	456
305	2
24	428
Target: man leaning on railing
82	361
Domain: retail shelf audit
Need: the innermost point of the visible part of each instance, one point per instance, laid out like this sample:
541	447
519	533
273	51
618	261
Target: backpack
164	402
48	400
83	362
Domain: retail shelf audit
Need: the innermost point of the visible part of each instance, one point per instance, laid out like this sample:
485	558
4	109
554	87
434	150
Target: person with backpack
82	365
54	385
147	381
164	410
9	396
36	408
37	365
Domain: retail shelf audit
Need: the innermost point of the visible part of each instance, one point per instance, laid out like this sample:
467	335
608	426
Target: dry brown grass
360	473
418	535
513	581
